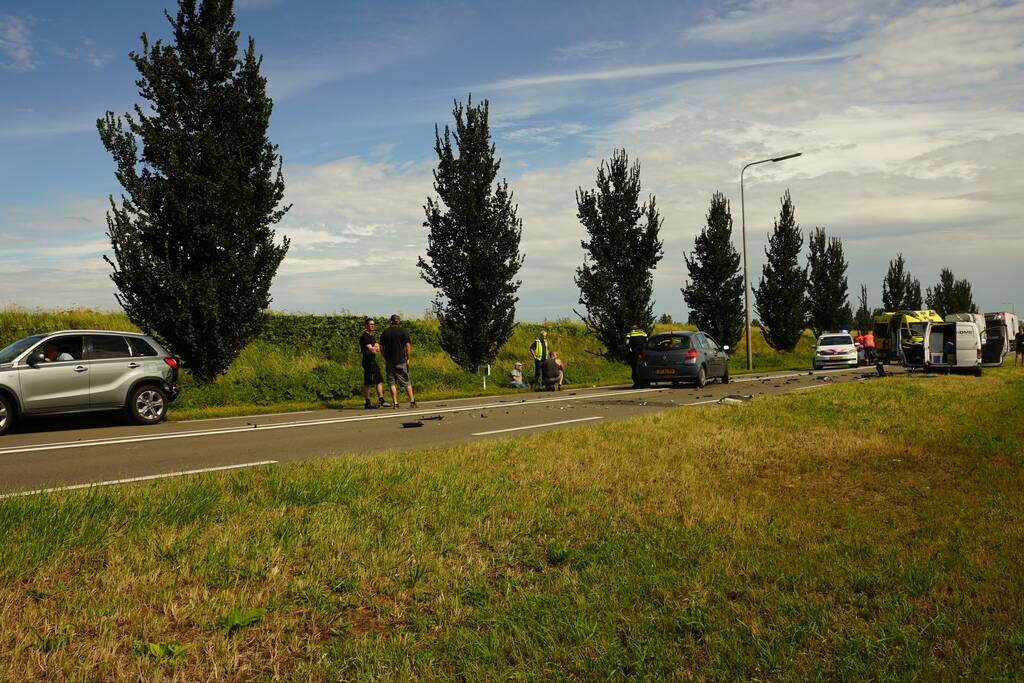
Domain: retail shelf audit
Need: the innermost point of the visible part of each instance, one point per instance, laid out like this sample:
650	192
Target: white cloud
16	50
86	51
591	48
648	71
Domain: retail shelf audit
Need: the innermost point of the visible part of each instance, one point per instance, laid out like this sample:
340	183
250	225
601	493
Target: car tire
147	404
725	375
817	367
977	373
702	378
6	414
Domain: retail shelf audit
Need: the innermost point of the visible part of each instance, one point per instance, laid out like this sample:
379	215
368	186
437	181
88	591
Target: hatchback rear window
667	342
836	340
141	347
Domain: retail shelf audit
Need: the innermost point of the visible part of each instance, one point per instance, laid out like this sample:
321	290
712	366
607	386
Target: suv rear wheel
702	378
6	414
147	404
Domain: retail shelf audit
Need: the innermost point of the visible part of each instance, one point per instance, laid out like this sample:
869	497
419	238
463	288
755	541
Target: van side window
141	347
107	346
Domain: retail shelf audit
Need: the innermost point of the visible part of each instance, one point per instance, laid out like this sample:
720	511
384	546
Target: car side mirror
35	359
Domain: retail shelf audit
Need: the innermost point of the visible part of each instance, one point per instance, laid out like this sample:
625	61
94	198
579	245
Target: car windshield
917	329
9	353
835	340
668	342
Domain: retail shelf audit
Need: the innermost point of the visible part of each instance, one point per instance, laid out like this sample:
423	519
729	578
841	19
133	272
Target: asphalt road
79	452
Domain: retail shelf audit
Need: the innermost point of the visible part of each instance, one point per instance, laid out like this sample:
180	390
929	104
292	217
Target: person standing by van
1020	347
397	351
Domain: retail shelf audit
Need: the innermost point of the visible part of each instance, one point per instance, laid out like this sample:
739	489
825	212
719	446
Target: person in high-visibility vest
636	340
869	347
539	350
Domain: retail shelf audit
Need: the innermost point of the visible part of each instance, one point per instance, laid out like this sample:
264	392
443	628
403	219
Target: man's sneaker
369	406
384	404
413	405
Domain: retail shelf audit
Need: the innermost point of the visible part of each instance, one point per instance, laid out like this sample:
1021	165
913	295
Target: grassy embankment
866	531
311	371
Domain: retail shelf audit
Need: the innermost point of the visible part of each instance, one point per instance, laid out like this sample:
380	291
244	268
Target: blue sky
908	116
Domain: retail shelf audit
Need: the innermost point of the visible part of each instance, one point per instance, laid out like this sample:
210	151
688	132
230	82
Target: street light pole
743	223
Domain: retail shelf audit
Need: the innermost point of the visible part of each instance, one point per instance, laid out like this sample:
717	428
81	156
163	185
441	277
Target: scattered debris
880	369
735	398
825	378
408	425
434	417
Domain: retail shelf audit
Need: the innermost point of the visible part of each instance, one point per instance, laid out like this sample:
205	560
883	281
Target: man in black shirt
1020	347
369	348
397	351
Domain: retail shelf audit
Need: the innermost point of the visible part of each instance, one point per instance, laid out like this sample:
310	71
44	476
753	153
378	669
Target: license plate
664	371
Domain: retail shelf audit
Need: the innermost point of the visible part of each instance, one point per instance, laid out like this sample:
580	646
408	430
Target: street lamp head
788	156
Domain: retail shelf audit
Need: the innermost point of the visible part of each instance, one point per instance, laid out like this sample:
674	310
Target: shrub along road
56	453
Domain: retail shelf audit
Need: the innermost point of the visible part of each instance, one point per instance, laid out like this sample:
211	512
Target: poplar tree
951	295
473	242
863	318
194	248
714	292
616	282
900	291
779	297
828	307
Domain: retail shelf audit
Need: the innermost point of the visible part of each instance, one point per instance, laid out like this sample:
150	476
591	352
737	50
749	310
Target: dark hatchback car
683	356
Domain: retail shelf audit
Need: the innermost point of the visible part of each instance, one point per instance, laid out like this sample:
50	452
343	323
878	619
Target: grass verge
311	373
861	531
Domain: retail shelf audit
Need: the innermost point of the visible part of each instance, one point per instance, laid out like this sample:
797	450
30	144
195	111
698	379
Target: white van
952	346
1001	331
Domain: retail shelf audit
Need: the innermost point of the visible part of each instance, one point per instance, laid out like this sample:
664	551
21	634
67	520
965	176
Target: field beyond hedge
867	531
312	361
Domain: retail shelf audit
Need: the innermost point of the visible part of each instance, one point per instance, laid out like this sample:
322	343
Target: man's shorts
371	375
399	375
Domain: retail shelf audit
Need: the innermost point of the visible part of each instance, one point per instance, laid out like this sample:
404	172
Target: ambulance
896	331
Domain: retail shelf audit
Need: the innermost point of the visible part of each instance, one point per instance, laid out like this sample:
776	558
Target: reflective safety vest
869	341
539	349
636	339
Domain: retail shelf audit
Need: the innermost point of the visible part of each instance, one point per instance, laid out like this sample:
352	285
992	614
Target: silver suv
77	371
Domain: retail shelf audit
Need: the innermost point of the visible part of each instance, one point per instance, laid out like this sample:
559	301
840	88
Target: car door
111	369
717	355
60	385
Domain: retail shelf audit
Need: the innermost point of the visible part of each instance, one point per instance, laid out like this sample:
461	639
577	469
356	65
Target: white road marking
133	480
546	424
815	386
242	417
382	414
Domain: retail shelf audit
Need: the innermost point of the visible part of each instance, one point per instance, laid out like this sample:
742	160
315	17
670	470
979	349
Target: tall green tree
828	306
473	241
780	296
616	282
194	248
714	292
900	290
862	320
951	295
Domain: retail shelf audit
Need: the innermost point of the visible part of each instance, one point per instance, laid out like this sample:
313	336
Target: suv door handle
81	368
133	365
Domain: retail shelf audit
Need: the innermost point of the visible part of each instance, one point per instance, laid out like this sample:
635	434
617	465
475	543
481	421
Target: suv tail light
171	362
690	356
642	357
